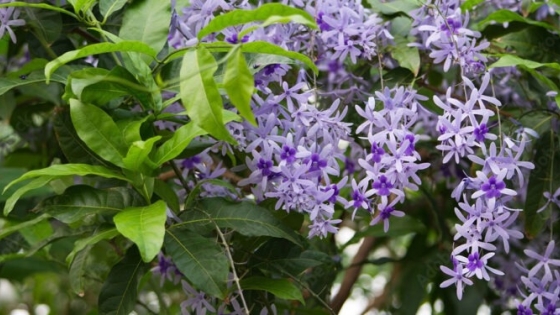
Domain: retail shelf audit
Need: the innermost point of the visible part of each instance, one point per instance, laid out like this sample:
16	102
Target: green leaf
98	131
200	259
39	6
7	84
34	184
200	95
511	60
138	153
393	7
108	7
147	21
96	49
407	57
262	13
167	193
279	255
177	143
469	4
80	201
5	231
81	244
245	217
145	226
281	288
61	170
544	177
261	47
506	16
99	86
120	290
240	85
75	150
82	5
78	270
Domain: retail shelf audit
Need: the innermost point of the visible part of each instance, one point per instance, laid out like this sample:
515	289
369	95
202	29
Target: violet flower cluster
484	214
392	162
444	32
541	283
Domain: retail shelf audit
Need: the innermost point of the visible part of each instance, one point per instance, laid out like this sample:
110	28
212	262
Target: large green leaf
281	288
96	49
511	60
80	201
408	57
240	85
245	217
120	290
507	16
262	13
200	259
108	7
138	154
14	197
145	226
60	170
5	231
262	47
7	84
82	244
98	131
393	7
147	21
279	255
177	143
78	271
75	150
200	95
99	86
544	177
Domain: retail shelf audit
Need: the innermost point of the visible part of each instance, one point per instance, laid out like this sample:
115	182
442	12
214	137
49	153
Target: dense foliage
201	156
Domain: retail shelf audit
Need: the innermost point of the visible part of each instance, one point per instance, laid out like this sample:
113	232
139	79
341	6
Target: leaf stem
232	263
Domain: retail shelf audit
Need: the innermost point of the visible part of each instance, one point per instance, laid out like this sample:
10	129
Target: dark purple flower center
190	162
474	262
480	132
358	198
386	213
270	69
322	24
377	152
383	186
410	148
493	187
316	162
234	38
264	166
288	154
349	166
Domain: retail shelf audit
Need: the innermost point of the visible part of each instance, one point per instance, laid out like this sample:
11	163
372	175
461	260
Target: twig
232	264
352	274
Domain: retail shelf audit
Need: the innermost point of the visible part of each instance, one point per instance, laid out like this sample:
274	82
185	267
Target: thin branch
377	303
352	274
232	264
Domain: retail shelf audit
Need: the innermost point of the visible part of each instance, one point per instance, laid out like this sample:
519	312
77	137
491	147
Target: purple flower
382	186
544	261
457	277
385	212
8	18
